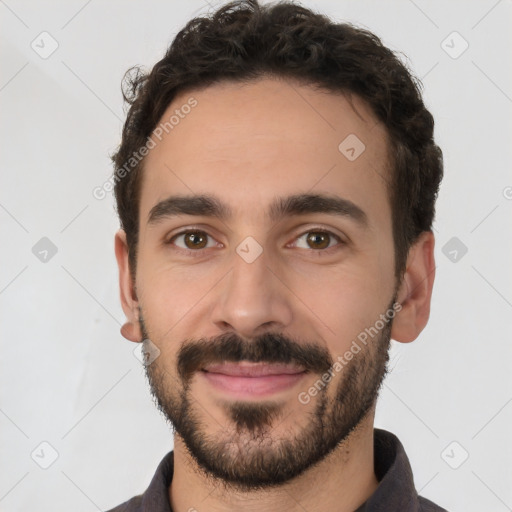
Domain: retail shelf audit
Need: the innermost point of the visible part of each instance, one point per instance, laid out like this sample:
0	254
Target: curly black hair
243	41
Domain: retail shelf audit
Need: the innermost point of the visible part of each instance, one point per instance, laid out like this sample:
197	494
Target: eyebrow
281	207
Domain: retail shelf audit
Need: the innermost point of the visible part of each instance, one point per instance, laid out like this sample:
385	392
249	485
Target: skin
248	144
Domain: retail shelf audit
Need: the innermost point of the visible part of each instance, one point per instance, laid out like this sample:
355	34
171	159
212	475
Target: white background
67	376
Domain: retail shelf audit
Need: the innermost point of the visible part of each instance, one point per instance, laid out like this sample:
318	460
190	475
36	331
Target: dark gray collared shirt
395	493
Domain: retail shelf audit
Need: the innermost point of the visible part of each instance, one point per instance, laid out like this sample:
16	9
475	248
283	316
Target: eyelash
197	253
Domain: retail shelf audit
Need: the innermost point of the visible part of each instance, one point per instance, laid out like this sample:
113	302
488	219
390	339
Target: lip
248	369
245	380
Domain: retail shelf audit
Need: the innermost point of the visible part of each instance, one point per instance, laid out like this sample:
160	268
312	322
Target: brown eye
191	240
195	240
318	240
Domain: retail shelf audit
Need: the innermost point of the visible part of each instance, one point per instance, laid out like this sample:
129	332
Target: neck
341	482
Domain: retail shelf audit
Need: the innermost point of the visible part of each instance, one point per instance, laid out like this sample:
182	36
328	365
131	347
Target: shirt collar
396	489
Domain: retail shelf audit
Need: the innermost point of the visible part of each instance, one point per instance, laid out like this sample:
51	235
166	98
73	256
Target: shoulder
429	506
132	505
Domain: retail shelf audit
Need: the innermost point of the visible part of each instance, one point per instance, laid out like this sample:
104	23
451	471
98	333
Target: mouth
246	379
248	369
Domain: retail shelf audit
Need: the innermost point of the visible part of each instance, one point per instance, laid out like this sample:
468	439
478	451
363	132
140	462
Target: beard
246	454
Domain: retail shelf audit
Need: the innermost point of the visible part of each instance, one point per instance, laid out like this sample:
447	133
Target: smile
252	379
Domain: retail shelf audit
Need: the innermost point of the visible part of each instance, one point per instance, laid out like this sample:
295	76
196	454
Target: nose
252	299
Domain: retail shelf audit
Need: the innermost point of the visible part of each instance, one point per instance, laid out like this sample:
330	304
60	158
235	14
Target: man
276	184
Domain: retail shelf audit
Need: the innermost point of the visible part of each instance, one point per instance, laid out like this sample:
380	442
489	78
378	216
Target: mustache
267	348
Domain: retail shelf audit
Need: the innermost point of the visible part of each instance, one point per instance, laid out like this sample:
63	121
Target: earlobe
129	302
131	332
415	291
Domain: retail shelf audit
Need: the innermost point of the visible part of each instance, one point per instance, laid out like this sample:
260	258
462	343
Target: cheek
343	302
171	296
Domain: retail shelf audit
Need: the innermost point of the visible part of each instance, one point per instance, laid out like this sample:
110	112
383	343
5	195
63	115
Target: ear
131	329
415	290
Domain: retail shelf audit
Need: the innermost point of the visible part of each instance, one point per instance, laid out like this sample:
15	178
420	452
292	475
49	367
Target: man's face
261	285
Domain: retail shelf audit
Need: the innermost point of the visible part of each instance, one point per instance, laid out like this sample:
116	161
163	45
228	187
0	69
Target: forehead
250	143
